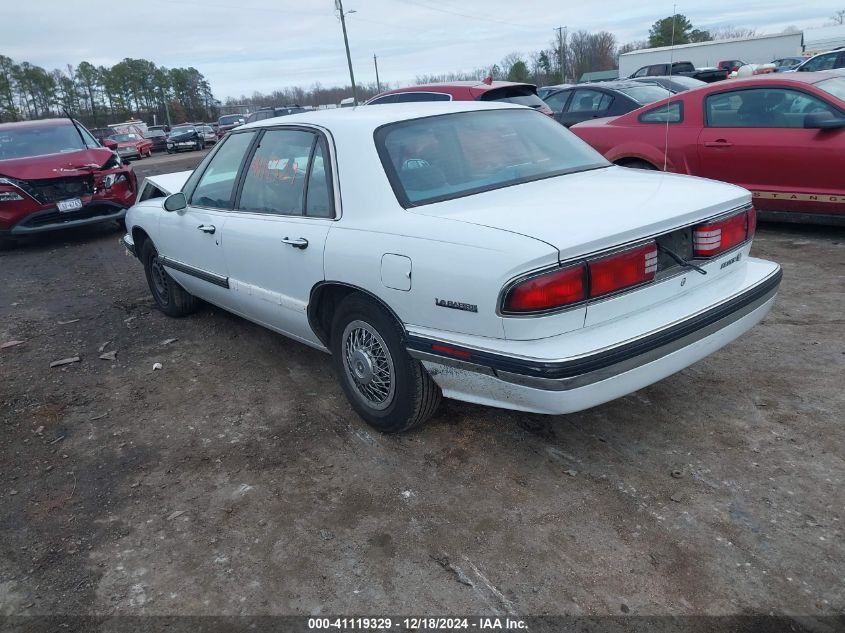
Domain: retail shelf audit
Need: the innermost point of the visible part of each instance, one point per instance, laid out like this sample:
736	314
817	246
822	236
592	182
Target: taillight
623	270
716	237
551	290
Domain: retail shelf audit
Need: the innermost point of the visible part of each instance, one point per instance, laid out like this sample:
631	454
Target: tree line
98	95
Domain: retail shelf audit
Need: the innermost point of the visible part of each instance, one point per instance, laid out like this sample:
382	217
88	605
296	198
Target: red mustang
780	135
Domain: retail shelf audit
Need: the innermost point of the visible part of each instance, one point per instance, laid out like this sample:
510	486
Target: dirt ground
237	480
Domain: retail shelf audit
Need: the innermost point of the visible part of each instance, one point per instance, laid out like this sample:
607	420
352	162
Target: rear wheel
390	390
170	297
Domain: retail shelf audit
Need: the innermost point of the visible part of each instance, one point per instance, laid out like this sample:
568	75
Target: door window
589	101
276	177
217	183
408	97
557	101
762	108
822	62
319	200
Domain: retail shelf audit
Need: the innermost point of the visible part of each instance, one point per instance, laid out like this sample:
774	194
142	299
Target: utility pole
378	84
561	38
339	6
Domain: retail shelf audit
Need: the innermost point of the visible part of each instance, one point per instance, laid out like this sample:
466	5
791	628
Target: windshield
230	119
646	94
181	130
454	155
39	141
155	133
835	87
123	137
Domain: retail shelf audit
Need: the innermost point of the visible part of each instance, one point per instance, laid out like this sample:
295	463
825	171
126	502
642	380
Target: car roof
373	117
35	123
777	78
607	85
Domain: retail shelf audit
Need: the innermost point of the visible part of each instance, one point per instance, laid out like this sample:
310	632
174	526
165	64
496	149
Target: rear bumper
51	219
565	385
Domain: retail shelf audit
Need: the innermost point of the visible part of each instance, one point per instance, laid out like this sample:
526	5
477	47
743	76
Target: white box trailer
753	50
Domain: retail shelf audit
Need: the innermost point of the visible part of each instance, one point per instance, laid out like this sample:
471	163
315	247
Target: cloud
262	45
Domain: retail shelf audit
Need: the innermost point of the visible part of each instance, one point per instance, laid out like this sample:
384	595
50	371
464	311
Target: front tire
169	296
390	390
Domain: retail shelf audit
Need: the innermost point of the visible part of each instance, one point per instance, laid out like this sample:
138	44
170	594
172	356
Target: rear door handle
718	143
207	228
296	242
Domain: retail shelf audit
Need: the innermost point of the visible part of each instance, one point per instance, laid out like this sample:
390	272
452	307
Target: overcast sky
246	45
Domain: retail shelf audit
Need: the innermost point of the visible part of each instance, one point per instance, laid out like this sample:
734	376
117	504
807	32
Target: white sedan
478	251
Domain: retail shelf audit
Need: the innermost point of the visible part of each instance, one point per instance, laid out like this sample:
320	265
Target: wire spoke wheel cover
368	365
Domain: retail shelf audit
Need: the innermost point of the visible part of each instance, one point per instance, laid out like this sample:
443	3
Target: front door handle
207	228
296	242
718	143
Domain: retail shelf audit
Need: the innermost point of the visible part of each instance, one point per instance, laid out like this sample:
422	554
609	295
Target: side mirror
823	121
107	142
175	202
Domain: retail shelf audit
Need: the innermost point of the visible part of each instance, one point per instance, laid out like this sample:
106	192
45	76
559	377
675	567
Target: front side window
557	100
666	113
449	156
383	100
217	183
762	108
275	179
589	101
642	72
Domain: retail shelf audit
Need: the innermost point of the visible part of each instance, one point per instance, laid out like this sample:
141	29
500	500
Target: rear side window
520	95
666	113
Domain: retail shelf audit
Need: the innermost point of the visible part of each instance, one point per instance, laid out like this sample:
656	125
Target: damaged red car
54	174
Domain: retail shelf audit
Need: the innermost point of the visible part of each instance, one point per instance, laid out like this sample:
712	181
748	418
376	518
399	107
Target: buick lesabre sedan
476	251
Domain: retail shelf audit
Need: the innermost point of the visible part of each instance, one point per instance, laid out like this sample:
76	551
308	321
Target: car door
190	240
275	236
585	104
756	138
557	102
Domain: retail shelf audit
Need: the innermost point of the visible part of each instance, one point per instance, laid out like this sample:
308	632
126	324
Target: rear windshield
39	141
521	95
454	155
229	119
646	94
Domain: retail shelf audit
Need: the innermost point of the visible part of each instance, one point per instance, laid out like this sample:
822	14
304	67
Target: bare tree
632	46
838	17
732	32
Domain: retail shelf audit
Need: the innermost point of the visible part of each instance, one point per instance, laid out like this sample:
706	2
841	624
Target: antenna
671	62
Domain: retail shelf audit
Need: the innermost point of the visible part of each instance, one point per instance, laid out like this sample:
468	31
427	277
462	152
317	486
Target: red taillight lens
716	237
623	270
552	290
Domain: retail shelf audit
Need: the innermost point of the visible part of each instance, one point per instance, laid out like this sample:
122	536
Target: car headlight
9	196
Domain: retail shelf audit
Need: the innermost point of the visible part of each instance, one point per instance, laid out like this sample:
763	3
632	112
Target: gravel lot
237	480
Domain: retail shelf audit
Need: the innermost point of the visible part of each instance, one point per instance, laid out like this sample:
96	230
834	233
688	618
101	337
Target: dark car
674	84
101	133
229	122
594	101
487	90
270	112
185	137
730	65
159	139
54	174
543	91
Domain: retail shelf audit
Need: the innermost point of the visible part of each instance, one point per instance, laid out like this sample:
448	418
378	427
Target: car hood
589	211
56	165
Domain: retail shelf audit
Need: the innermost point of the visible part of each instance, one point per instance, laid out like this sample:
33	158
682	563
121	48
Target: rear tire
390	390
169	296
